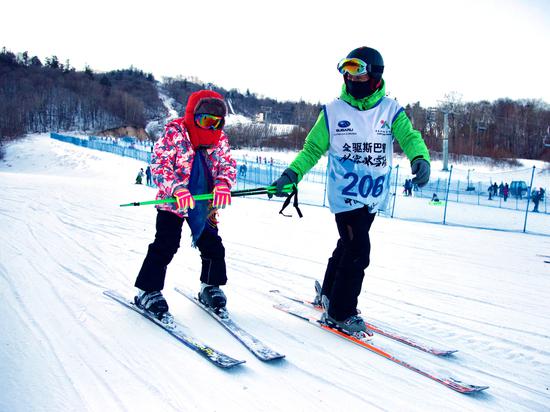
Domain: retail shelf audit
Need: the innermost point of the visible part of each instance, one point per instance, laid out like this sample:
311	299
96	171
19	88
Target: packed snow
67	347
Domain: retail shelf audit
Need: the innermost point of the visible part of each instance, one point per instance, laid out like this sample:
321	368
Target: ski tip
461	387
445	352
272	357
230	364
474	389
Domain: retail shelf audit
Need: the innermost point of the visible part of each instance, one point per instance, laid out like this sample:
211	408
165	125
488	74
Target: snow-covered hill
66	347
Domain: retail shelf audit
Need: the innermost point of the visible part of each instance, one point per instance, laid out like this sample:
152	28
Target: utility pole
448	106
266	110
432	120
445	140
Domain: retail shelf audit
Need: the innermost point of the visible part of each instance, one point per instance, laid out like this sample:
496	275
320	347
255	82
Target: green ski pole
207	196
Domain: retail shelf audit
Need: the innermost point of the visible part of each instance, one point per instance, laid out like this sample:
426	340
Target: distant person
193	157
408	187
536	197
148	176
139	176
357	130
242	170
505	192
490	192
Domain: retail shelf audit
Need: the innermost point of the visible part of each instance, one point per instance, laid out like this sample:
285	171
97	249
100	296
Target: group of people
148	174
502	190
194	157
259	159
408	187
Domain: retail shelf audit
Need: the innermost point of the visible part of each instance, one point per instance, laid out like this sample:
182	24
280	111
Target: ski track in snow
64	240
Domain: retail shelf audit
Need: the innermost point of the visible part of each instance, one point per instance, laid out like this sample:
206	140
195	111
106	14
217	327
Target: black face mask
359	90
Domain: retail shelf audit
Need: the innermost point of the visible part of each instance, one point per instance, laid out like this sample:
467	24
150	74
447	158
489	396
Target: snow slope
66	347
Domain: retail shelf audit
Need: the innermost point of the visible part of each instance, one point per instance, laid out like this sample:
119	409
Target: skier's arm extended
409	139
315	146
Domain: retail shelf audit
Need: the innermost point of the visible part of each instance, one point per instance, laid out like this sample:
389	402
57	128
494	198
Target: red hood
198	136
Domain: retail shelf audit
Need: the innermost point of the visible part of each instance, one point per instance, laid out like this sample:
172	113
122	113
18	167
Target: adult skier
357	130
193	157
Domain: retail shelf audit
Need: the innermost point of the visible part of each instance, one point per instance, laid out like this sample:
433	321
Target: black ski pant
167	241
346	268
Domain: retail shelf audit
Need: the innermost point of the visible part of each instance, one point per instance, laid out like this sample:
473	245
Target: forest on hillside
504	128
38	96
46	96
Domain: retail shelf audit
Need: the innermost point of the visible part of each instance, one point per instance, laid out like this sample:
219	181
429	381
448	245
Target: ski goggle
209	121
353	66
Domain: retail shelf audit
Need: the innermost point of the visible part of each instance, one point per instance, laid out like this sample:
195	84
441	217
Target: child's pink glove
184	200
222	196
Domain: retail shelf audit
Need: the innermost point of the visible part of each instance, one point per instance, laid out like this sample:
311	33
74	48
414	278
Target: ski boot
154	304
214	299
318	300
353	325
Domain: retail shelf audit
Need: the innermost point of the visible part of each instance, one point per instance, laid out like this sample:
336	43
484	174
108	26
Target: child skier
139	177
357	130
193	157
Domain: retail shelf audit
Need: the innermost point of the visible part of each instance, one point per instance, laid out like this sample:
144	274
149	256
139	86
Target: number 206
365	187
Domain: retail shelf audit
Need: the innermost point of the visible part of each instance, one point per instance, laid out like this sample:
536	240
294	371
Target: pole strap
293	195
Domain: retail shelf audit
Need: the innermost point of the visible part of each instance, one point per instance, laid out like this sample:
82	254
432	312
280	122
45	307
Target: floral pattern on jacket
172	160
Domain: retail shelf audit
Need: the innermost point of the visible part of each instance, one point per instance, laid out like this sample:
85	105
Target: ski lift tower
266	110
432	115
447	106
432	112
445	140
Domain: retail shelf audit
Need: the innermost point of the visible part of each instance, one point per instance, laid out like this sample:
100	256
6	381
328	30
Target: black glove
289	176
421	170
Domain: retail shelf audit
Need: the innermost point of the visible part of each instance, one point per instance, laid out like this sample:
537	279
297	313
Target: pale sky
288	50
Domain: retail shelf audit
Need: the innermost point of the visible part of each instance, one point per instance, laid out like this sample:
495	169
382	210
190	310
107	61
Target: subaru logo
343	123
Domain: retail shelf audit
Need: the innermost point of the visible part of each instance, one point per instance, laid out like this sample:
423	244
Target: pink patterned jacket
173	157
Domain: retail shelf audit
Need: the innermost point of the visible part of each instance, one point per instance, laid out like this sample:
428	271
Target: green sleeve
409	139
316	145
